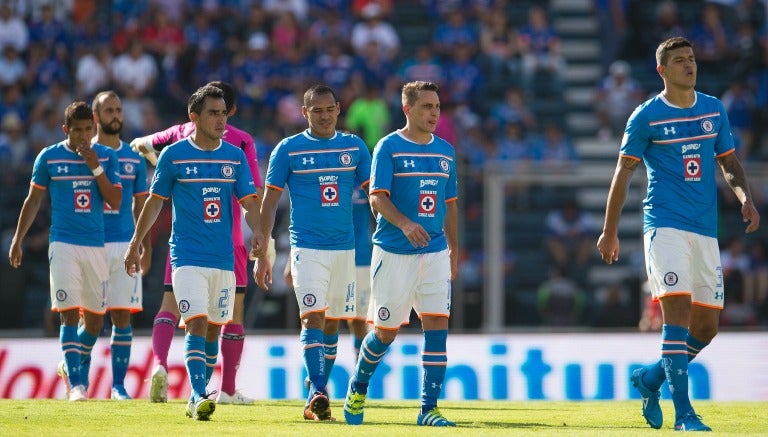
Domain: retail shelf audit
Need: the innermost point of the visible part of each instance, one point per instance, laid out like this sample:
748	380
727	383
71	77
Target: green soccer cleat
201	409
353	406
433	417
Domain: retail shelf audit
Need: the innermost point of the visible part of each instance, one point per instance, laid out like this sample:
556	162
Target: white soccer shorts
204	291
125	291
684	263
78	276
401	282
324	280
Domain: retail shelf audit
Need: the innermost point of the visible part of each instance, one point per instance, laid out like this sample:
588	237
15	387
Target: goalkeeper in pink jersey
167	318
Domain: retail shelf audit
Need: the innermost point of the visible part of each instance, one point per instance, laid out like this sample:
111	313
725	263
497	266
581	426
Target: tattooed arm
608	243
736	178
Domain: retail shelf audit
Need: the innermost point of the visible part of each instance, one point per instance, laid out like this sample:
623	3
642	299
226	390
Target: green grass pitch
382	418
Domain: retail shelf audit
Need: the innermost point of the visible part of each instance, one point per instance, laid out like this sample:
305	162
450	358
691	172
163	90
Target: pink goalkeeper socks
232	337
162	335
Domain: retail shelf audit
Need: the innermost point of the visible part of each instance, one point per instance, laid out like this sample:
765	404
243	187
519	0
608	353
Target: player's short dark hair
230	97
78	110
662	51
318	90
96	104
411	90
197	99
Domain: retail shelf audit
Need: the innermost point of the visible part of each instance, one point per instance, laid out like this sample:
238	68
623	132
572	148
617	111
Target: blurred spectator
46	65
14	145
12	67
712	38
287	34
616	97
373	26
648	33
555	149
612	307
57	98
330	25
46	29
163	37
201	34
464	80
251	75
612	28
543	63
135	72
337	69
513	145
453	30
298	8
569	238
737	274
368	116
13	102
93	72
513	109
423	65
13	29
375	68
498	45
756	292
560	300
45	131
740	105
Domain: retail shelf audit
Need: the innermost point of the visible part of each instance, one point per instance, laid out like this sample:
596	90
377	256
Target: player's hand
258	246
608	246
750	215
144	147
86	152
416	234
132	260
262	272
14	254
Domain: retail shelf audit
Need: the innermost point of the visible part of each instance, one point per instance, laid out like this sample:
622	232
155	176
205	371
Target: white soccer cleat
77	394
158	387
235	399
61	370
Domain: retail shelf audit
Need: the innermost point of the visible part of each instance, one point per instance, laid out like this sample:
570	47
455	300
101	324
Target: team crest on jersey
707	126
670	278
329	194
309	300
183	306
692	167
82	201
128	168
345	159
227	171
383	313
444	165
61	295
212	210
427	203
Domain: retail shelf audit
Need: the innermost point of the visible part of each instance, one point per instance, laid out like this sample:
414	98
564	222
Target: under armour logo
407	163
310	160
191	170
62	169
718	296
669	130
436	385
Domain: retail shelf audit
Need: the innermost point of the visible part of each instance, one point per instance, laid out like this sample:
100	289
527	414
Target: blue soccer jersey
321	174
679	147
420	179
201	184
361	218
77	206
119	224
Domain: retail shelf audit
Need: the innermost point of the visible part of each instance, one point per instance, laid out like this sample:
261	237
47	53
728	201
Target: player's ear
65	129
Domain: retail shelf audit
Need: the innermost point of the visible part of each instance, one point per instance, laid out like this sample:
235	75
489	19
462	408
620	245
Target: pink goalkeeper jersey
232	135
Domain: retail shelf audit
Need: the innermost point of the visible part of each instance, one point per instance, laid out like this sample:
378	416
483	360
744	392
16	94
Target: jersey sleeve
452	187
249	148
244	185
167	137
724	142
112	167
140	184
40	175
279	167
381	169
363	172
163	180
636	136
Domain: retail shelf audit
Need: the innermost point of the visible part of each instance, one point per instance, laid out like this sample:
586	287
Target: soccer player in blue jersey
125	292
201	173
681	136
321	168
81	177
415	254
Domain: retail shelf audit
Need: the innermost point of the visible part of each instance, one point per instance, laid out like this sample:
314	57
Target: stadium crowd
497	70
